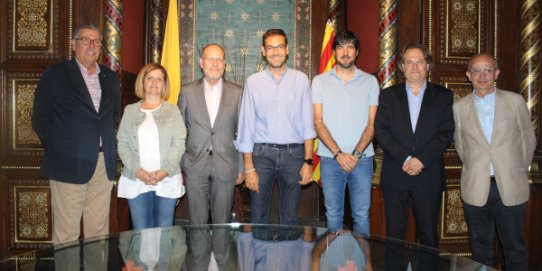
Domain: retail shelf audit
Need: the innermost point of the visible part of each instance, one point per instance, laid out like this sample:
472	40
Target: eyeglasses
271	48
87	41
482	70
212	60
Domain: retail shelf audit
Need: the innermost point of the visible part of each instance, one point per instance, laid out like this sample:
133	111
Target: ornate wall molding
387	74
530	58
32	31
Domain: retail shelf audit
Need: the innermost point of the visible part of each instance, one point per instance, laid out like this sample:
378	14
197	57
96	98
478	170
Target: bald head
485	57
212	62
482	73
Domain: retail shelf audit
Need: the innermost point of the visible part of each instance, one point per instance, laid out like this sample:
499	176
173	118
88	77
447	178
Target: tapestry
238	26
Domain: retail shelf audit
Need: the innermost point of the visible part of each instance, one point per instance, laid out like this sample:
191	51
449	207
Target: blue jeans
149	211
334	181
282	163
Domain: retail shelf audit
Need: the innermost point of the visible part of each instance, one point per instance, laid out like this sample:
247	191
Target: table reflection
238	247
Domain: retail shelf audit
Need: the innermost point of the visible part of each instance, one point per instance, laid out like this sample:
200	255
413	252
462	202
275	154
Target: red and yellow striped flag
171	55
327	62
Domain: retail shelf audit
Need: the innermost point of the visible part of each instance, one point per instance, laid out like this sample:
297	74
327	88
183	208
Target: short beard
347	65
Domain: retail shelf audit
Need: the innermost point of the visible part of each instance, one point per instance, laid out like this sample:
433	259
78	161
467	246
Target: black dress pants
509	222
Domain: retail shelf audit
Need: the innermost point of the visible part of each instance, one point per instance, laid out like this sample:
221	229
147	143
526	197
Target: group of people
220	135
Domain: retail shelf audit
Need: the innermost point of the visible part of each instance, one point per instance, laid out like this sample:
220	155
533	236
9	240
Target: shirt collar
207	87
488	97
422	90
83	69
271	74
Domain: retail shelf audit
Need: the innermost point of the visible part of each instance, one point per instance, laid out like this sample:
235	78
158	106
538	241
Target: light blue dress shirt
275	111
415	104
486	114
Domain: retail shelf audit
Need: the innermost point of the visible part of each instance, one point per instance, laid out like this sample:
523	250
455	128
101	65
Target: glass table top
238	247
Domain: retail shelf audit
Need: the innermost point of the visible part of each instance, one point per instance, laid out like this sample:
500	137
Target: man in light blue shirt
276	131
345	101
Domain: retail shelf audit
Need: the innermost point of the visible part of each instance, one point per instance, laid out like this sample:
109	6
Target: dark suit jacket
66	122
201	135
434	132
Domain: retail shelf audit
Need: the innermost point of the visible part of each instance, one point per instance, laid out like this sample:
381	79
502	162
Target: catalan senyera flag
327	62
171	55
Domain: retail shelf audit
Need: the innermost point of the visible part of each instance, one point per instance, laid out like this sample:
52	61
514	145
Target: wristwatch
308	161
358	154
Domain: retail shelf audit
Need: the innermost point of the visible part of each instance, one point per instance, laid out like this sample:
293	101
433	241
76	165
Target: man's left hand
413	166
306	174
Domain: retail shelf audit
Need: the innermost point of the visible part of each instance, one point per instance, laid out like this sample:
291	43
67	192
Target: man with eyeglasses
76	109
210	108
495	140
276	131
414	126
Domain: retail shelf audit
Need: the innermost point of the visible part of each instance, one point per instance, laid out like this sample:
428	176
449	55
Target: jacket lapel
403	109
74	73
472	111
222	105
427	100
202	104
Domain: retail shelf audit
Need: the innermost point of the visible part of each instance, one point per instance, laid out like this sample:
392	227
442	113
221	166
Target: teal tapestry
238	25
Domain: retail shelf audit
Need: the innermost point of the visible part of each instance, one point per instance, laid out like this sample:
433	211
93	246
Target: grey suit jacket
511	150
201	135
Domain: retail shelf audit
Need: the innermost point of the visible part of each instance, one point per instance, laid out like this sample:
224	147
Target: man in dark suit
210	107
76	109
414	126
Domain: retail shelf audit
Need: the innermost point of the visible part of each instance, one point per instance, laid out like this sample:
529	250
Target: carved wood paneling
33	31
30	222
21	146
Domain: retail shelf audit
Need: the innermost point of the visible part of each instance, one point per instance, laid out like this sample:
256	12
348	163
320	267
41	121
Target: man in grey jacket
210	107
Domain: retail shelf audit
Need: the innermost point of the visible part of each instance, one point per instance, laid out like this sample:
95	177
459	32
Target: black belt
492	179
280	146
101	149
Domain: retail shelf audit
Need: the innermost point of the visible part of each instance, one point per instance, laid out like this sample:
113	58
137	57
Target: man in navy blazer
414	126
76	108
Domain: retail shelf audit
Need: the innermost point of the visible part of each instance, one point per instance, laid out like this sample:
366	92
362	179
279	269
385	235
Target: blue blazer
68	126
434	133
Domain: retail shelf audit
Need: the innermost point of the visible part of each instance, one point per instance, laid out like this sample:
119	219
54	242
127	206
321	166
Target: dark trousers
425	207
282	163
509	223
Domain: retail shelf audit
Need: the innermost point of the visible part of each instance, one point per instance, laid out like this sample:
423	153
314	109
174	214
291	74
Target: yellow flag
171	55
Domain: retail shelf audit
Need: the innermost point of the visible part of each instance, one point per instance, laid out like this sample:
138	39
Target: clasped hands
413	166
151	178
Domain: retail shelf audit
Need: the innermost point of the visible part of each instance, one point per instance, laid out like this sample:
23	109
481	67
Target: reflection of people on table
495	140
76	108
153	249
341	250
151	142
276	131
210	247
276	249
